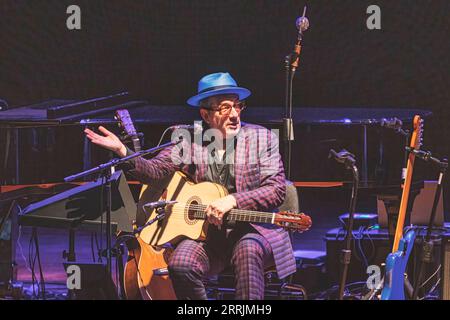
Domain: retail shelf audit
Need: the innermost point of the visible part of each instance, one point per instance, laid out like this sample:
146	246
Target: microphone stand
349	161
291	64
105	170
426	255
396	125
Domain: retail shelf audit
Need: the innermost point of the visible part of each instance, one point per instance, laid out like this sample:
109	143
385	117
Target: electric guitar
397	261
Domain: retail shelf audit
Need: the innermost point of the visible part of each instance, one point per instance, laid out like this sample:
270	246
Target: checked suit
260	186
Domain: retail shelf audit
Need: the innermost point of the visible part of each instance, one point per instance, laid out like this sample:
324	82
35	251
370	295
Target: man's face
223	112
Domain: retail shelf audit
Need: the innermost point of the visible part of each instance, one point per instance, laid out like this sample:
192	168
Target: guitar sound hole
192	212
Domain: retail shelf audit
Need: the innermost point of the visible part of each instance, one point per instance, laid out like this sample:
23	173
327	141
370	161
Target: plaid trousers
248	253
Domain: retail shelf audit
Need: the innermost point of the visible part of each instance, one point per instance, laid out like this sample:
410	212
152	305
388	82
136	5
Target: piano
44	142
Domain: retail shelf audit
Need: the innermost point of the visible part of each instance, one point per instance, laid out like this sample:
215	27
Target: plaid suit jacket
259	176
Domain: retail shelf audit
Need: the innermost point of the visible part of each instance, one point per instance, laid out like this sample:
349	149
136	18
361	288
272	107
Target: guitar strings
246	212
200	210
179	213
235	211
199	213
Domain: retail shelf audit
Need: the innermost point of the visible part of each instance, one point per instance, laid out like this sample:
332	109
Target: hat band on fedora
215	88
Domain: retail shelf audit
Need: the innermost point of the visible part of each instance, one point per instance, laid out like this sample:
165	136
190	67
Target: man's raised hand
108	140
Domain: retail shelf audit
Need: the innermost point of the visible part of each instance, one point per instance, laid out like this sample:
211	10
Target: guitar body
396	262
142	278
179	222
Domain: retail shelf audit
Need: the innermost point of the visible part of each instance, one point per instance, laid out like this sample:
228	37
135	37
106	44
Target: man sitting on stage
246	161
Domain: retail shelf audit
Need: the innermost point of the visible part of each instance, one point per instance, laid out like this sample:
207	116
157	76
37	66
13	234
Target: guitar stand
426	255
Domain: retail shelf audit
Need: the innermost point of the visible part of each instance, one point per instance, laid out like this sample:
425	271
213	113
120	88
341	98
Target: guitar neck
251	216
239	215
404	203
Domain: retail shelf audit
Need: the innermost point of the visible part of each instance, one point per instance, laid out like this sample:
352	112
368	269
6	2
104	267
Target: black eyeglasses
225	108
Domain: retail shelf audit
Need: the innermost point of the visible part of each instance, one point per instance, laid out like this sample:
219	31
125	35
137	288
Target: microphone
392	123
157	204
302	23
161	214
343	156
182	126
196	127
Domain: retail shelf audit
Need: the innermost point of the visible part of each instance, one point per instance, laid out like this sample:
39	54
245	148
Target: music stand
80	207
83	208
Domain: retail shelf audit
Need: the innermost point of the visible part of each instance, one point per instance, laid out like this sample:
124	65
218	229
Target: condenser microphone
196	127
392	123
302	23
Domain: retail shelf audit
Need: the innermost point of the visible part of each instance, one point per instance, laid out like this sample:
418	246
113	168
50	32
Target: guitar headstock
125	122
298	222
127	126
417	135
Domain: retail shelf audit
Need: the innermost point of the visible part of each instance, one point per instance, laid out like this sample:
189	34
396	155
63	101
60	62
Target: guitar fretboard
198	212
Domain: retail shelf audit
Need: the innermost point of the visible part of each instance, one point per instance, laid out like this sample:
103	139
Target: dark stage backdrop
158	50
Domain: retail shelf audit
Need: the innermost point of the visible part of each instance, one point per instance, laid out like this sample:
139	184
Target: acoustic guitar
145	272
187	218
397	261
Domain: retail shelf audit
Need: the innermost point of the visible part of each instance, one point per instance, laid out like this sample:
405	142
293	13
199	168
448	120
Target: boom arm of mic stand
117	161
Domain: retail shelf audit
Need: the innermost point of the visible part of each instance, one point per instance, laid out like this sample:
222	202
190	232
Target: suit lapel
239	159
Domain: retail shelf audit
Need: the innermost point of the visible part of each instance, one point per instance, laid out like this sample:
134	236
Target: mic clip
345	157
427	157
129	138
395	124
160	210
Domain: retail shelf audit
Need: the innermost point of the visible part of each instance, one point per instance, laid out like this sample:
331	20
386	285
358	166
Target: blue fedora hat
217	83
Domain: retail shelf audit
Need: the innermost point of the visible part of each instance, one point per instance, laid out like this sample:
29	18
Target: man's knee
188	257
248	251
179	266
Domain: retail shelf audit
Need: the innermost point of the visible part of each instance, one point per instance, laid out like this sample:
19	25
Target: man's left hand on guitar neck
218	208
